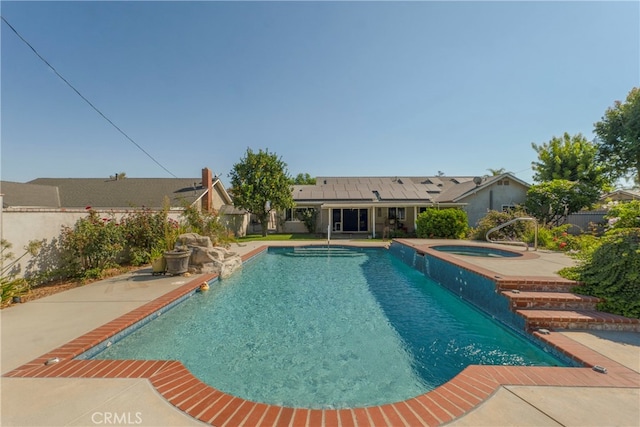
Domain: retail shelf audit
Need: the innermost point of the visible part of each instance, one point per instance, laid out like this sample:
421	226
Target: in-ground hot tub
477	251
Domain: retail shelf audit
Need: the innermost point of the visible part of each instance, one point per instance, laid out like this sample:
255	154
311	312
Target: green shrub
143	232
442	223
309	217
398	234
611	271
10	285
516	231
624	215
559	239
206	224
93	243
545	237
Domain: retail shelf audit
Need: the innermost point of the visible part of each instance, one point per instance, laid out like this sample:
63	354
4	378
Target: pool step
323	251
548	303
550	300
577	319
536	285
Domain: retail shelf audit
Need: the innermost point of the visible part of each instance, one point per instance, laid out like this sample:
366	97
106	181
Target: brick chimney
207	182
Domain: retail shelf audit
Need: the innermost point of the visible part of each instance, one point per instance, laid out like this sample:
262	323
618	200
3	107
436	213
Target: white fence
19	226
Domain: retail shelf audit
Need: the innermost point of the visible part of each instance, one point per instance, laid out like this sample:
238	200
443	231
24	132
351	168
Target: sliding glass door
350	220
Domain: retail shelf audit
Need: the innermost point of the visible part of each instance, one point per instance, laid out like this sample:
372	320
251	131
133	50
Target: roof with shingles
362	189
427	189
467	186
231	210
18	194
630	194
125	193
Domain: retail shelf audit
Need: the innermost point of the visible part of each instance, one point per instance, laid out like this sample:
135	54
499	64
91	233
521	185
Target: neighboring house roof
426	189
622	195
231	210
17	194
467	188
125	193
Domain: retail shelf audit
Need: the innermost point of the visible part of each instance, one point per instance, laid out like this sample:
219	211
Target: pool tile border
178	386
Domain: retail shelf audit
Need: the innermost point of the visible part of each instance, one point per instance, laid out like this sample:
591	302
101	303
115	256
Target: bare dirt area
57	286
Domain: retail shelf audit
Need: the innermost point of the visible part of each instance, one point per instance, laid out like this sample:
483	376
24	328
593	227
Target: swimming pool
350	328
479	251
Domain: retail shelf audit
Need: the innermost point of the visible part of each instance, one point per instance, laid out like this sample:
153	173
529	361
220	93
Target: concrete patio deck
35	328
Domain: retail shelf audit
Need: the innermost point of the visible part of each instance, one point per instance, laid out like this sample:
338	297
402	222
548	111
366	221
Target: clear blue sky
334	88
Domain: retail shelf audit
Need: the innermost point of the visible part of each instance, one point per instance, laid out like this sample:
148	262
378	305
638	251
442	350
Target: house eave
390	204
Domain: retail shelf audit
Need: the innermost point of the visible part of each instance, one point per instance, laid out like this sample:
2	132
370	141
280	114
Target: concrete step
577	319
550	300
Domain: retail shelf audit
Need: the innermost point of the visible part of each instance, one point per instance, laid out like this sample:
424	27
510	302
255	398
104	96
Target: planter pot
177	261
158	266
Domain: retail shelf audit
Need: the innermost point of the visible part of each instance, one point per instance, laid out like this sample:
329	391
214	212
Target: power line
84	98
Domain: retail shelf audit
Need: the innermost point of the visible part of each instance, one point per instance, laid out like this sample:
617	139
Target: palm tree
496	172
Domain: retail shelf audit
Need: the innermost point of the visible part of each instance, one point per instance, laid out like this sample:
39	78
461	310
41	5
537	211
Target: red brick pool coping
177	385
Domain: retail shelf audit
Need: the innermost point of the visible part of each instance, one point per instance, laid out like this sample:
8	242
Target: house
621	196
383	205
38	209
206	193
19	195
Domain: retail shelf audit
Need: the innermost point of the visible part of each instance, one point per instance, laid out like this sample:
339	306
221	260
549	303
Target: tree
303	179
552	201
570	158
260	184
619	137
496	172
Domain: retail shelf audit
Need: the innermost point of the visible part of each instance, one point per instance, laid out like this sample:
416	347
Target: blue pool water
480	251
317	329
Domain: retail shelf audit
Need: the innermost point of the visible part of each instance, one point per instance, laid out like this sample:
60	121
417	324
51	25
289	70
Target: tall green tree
551	201
570	158
303	179
260	184
619	137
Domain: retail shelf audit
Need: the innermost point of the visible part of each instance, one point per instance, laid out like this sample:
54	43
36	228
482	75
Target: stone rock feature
206	258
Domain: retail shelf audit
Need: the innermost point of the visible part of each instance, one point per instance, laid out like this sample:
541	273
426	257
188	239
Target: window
397	213
288	214
295	214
